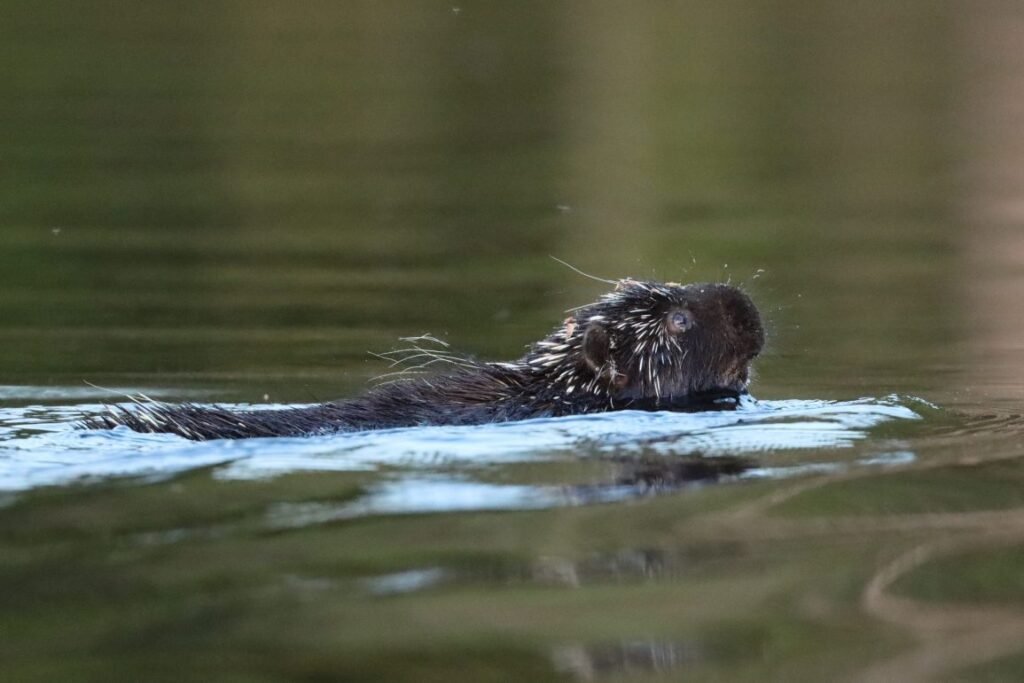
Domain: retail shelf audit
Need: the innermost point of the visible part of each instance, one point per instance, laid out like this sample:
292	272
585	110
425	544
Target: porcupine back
644	345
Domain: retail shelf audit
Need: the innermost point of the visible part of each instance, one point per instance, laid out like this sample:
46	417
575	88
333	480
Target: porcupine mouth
723	394
712	399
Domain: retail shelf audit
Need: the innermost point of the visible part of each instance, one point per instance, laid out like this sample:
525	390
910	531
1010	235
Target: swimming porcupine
645	346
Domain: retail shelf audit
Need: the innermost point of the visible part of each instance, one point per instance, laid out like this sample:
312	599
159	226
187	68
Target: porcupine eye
680	321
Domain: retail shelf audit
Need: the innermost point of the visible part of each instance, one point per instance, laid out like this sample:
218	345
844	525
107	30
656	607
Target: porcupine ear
597	354
597	347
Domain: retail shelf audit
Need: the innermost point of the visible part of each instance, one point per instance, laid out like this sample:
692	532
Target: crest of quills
642	346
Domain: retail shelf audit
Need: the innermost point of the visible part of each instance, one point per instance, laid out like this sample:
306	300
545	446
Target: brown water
237	201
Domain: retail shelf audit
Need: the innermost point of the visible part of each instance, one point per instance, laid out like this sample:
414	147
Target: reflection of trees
809	140
991	123
109	174
306	170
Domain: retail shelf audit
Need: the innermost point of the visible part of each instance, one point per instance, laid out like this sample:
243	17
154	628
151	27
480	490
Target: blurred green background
249	196
244	198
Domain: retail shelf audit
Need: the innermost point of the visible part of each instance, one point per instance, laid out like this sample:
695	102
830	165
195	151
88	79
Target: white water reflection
18	392
405	582
424	495
404	495
41	446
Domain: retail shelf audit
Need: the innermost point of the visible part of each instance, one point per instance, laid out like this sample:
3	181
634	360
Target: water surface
239	202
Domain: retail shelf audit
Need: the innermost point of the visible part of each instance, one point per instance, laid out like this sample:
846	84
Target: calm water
239	202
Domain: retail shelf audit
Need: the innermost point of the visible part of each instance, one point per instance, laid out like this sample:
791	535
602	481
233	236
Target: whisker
580	272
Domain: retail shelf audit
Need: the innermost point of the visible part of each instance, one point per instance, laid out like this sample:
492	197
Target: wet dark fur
645	345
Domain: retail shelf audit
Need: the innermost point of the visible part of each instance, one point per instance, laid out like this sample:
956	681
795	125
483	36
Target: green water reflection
246	197
251	193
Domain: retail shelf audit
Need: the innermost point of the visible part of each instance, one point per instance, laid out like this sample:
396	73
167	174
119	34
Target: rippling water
42	446
235	203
